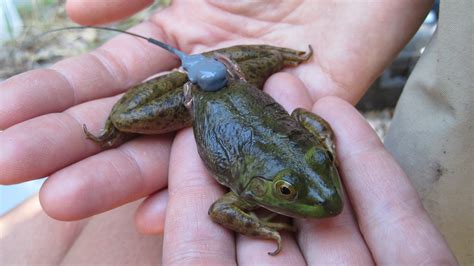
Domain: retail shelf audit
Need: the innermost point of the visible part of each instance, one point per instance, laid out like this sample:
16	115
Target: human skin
383	220
81	90
31	237
352	43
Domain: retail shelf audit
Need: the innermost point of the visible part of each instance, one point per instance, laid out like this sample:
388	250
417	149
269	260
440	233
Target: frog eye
285	190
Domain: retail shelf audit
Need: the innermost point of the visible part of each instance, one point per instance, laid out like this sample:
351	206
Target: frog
267	158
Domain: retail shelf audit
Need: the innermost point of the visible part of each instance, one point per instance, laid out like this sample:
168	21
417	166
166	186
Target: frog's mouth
259	190
299	211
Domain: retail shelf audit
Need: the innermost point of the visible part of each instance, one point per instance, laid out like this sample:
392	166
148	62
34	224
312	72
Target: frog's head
312	190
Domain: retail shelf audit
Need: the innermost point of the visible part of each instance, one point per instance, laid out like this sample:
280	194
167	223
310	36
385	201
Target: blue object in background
13	195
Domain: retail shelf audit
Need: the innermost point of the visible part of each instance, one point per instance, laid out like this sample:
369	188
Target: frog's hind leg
156	107
258	62
241	53
160	115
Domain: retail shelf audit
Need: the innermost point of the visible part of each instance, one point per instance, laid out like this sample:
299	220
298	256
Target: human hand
383	221
47	139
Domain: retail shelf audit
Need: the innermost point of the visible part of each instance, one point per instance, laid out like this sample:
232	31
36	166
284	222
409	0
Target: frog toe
294	58
107	138
307	55
277	238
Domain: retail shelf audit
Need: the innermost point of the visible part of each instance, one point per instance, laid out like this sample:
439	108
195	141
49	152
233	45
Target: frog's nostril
333	206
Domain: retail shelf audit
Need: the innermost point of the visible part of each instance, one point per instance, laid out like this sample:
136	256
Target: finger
388	210
21	99
288	90
43	145
108	179
119	64
190	236
102	12
326	241
333	241
150	215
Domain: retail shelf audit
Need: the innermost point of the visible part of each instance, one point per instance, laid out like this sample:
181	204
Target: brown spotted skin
154	107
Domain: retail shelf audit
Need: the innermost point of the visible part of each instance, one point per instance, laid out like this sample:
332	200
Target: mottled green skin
246	140
242	133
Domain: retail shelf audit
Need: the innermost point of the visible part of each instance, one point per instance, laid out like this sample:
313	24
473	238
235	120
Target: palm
348	55
85	180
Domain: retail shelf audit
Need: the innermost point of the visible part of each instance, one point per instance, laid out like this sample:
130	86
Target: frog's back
241	132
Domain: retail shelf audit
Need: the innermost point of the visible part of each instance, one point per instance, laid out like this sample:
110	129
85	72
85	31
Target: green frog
266	157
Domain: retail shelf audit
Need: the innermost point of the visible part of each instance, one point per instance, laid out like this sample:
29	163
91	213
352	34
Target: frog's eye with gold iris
285	190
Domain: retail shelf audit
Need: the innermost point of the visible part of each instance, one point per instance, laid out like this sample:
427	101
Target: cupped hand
383	221
42	111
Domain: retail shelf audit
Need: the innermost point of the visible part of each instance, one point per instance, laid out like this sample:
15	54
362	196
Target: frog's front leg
230	212
318	127
154	107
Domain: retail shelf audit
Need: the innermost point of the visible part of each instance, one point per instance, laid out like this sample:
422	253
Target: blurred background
22	21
